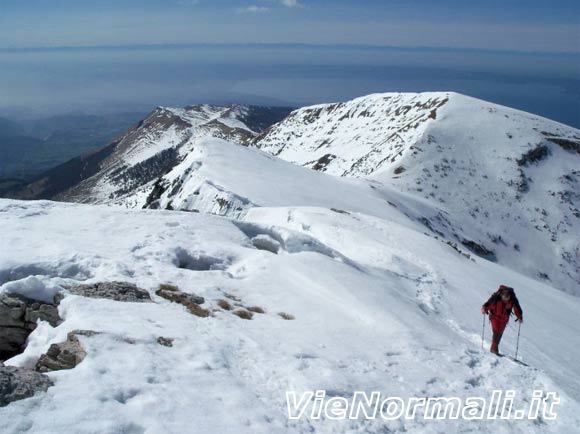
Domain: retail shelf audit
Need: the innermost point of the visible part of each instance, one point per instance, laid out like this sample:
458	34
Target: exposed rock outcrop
64	355
118	291
17	383
18	317
479	249
534	156
166	342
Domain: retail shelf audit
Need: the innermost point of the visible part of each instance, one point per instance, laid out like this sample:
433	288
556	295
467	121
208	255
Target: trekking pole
482	330
518	341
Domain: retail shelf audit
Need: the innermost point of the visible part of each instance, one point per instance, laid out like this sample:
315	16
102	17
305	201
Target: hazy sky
531	25
58	55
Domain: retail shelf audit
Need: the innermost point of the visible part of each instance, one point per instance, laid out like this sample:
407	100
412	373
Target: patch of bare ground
235	305
243	314
256	309
190	301
224	304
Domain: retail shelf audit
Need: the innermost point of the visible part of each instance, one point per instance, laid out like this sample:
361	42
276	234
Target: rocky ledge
17	383
18	318
118	291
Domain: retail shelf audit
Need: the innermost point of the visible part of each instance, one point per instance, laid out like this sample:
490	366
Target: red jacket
500	310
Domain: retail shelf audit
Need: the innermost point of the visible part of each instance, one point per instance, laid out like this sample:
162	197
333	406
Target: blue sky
521	25
97	56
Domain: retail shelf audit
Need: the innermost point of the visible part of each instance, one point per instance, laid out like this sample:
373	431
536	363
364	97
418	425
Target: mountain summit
506	183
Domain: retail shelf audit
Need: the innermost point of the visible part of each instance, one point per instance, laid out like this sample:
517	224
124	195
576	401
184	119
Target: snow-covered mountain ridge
498	182
132	162
507	182
353	138
373	133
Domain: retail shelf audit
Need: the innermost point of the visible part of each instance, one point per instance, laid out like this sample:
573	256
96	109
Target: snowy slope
154	148
507	182
378	305
354	138
219	177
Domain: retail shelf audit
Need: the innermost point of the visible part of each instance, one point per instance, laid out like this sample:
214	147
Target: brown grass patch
224	304
183	299
256	309
286	316
244	314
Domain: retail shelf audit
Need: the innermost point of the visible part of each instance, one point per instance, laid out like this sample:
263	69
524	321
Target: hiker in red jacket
499	307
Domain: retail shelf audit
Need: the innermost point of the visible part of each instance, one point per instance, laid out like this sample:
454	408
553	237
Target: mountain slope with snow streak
507	182
377	305
354	138
136	159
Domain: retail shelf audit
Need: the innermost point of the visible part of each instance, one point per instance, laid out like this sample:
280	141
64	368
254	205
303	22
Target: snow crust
32	287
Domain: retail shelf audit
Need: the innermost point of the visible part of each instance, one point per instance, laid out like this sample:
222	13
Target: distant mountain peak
148	150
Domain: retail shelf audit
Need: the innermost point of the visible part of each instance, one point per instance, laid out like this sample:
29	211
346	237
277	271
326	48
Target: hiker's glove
520	320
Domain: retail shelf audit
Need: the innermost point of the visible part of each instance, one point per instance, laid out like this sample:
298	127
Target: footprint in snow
473	382
305	356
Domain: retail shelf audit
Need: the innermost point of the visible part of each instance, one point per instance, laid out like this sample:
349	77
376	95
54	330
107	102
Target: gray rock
12	340
166	342
18	317
197	299
17	383
118	291
64	355
45	312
